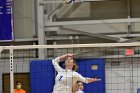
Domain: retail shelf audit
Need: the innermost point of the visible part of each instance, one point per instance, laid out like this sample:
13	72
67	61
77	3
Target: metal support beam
33	18
136	39
129	27
129	16
86	22
76	1
40	28
50	16
91	34
69	10
124	35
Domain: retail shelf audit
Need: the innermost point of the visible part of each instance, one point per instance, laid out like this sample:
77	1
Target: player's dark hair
75	67
79	82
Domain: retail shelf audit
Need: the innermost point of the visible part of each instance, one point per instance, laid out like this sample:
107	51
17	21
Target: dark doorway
23	77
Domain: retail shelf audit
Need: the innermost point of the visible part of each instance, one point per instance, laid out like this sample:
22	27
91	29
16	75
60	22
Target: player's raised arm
56	61
63	57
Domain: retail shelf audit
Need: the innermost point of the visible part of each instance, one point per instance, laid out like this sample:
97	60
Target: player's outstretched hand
96	79
93	80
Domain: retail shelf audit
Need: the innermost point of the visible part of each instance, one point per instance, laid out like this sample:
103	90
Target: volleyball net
117	64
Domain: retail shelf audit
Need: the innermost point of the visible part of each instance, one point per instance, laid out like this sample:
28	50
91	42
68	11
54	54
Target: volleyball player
67	77
78	87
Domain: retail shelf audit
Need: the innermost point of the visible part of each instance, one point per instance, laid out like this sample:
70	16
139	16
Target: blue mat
42	75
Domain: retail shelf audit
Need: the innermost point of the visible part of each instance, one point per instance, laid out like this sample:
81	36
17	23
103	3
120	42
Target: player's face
80	86
69	61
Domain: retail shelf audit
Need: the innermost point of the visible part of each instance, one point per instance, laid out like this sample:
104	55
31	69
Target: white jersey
65	79
79	92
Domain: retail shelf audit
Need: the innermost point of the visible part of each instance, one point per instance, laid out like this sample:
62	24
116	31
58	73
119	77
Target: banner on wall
6	23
